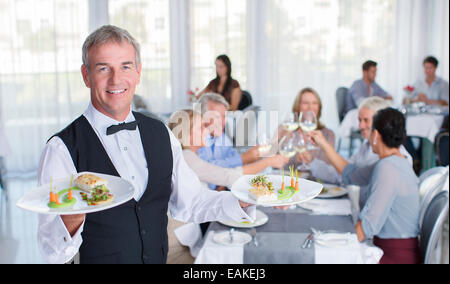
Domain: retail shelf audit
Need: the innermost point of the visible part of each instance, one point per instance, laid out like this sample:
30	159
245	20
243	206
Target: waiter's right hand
73	222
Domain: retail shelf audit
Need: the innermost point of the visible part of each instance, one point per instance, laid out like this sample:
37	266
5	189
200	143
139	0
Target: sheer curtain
218	27
277	47
41	89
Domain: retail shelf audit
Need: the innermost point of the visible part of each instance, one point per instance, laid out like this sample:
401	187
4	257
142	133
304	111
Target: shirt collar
101	122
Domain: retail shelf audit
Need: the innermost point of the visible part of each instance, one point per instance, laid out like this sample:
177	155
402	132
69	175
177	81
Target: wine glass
308	123
264	145
300	147
290	122
287	148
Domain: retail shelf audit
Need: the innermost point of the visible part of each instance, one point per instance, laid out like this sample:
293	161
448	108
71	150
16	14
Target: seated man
219	150
366	87
432	90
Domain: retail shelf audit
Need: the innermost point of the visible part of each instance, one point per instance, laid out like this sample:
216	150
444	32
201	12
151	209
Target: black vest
135	232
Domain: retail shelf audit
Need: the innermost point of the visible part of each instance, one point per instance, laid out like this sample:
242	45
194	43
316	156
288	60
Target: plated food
263	191
95	190
275	190
82	193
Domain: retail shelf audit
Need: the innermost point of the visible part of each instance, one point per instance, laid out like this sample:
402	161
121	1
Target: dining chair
441	148
431	186
341	100
431	230
246	100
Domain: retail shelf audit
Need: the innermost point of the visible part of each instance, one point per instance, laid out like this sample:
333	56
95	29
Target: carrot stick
282	183
52	196
296	181
291	168
70	194
56	197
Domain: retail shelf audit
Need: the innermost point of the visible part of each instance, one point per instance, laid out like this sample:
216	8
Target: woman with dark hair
391	213
224	83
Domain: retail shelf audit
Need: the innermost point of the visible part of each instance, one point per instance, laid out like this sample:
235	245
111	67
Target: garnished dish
67	196
275	190
263	191
331	190
94	190
81	193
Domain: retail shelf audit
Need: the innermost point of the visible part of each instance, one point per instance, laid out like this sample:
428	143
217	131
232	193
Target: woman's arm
277	161
336	160
236	96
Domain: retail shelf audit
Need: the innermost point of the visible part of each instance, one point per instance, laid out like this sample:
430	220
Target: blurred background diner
265	85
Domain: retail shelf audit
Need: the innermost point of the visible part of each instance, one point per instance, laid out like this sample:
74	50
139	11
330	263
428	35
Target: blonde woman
309	100
196	138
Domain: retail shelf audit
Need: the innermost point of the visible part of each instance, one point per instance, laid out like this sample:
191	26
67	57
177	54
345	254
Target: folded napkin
328	206
344	248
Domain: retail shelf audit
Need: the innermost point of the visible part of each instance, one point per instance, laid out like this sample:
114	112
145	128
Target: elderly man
110	139
219	150
365	87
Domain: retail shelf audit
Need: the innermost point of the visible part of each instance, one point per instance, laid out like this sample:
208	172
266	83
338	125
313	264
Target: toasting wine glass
264	145
287	148
290	122
308	123
300	147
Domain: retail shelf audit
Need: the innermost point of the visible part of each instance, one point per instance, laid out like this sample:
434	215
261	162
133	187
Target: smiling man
111	139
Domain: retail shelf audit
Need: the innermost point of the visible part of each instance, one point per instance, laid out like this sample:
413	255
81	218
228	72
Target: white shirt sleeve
54	241
191	202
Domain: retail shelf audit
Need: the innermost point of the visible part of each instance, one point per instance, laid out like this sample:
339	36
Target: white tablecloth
354	253
421	125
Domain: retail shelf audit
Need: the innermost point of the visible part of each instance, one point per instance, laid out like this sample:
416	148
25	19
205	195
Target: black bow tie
113	129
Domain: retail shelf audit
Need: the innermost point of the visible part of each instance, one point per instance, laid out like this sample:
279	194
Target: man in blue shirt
365	87
219	150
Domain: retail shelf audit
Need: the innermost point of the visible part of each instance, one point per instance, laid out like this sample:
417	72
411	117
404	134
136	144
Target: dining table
320	231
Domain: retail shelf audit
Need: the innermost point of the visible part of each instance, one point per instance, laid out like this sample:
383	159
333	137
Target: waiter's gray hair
107	34
212	97
374	104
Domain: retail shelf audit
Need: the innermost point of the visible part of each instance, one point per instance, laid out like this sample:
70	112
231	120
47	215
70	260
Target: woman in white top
187	126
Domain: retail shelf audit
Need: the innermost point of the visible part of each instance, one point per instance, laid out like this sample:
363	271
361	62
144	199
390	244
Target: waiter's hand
73	222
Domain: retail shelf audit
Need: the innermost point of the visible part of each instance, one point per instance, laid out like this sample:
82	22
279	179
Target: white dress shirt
189	201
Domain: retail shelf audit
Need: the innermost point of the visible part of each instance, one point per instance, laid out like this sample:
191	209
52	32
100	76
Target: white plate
308	190
333	239
239	238
334	191
261	219
37	199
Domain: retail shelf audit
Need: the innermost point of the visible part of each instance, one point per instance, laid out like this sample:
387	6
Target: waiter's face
430	70
112	78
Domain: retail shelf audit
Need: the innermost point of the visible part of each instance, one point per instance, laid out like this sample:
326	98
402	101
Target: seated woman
224	84
308	100
192	136
364	157
391	214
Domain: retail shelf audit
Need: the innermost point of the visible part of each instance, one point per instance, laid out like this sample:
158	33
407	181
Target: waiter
110	139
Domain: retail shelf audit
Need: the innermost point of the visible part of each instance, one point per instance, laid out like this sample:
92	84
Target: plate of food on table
275	190
331	191
78	194
261	219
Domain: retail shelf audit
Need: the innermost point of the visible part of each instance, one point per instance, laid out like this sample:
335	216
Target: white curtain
277	47
41	89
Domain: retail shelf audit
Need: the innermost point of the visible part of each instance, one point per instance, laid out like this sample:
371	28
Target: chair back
246	100
431	185
441	148
341	98
431	230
